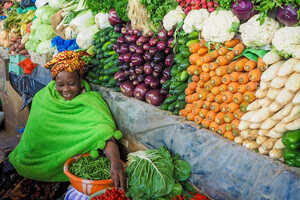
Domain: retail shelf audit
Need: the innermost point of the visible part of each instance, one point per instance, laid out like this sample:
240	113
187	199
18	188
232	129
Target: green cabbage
31	45
83	20
45	13
45	47
85	38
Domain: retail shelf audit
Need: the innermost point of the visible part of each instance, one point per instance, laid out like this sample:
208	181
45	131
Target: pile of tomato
112	194
189	5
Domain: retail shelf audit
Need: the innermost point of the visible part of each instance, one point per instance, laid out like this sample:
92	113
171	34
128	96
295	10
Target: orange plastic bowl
87	187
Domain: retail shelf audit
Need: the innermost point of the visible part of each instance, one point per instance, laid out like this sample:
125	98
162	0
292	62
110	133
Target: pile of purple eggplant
145	64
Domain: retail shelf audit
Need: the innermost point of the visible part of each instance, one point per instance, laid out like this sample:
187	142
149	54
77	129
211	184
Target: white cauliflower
287	41
256	35
172	18
101	19
194	20
217	27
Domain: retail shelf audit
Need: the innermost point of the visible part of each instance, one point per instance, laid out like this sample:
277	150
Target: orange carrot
238	49
250	65
228	127
220	71
232	87
242	88
261	64
192	86
198	119
235	124
223	88
203	113
229	135
222	51
193	69
188	91
222	60
198	104
205	67
219	119
215	90
238	114
227	97
215	107
199	63
213	126
206	105
190	117
234	76
188	99
237	98
216	81
249	96
202	43
195	78
200	84
193	58
202	51
212	73
230	55
223	107
232	43
243	78
210	97
211	116
226	79
239	66
202	94
251	86
255	74
208	86
189	107
183	113
230	67
243	106
218	98
194	47
205	123
228	117
195	97
232	107
235	132
213	66
204	76
206	58
222	128
214	54
196	111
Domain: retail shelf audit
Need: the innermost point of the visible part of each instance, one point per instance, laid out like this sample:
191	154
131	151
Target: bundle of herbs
91	168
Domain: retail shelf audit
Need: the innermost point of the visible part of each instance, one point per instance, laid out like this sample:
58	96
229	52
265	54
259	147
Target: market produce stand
222	169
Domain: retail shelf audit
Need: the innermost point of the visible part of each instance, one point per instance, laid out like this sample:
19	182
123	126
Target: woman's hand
117	171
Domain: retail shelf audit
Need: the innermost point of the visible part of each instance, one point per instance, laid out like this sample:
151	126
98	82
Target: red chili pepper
112	194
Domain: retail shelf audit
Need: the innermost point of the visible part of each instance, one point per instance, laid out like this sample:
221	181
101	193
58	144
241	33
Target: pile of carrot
222	86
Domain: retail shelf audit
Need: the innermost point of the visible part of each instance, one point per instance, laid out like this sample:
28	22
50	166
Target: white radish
293	83
248	115
248	134
250	145
254	125
274	134
268	124
287	67
280	127
274	107
260	115
271	58
264	85
261	93
264	102
261	139
271	72
275	153
262	150
294	114
283	112
253	106
273	93
238	140
244	125
296	99
263	132
279	81
294	125
278	144
268	144
296	67
285	96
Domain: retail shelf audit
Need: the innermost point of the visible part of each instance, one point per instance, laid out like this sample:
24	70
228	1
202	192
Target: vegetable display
104	65
291	152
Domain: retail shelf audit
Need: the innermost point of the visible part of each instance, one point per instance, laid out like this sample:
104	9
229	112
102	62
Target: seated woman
66	119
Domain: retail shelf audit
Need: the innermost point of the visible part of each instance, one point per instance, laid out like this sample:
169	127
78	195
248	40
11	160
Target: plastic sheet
63	45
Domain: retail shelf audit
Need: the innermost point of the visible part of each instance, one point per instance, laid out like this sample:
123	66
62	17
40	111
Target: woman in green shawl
66	119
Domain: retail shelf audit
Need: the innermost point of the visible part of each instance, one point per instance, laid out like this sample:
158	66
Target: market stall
222	78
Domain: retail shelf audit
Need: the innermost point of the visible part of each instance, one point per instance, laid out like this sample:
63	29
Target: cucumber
175	84
170	99
181	97
180	104
180	89
171	107
166	85
164	106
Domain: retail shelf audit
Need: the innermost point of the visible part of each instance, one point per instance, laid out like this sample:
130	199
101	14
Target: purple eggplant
163	92
170	33
113	18
162	35
168	51
153	42
167	73
154	97
158	67
170	43
161	45
118	28
140	91
121	40
153	51
132	48
127	57
139	69
141	40
169	60
124	49
127	88
159	57
147	56
148	79
139	50
163	80
120	76
137	59
154	83
148	68
146	46
140	78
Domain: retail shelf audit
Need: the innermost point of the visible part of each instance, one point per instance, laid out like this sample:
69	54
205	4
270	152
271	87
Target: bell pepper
291	153
291	157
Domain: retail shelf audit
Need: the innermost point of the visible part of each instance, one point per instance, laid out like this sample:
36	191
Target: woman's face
68	84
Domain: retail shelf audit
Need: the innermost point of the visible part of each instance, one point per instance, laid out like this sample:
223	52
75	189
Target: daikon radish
260	115
279	81
255	125
261	93
283	112
293	83
271	72
278	144
238	140
294	114
287	67
244	125
262	150
261	139
248	115
268	124
253	106
273	93
264	102
248	134
250	145
296	99
294	125
296	67
268	144
274	134
271	58
274	107
264	85
280	127
262	132
275	153
285	96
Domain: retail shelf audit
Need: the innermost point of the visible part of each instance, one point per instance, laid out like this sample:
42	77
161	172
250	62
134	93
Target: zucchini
170	99
166	85
111	70
180	104
176	111
164	106
181	97
171	107
175	84
180	89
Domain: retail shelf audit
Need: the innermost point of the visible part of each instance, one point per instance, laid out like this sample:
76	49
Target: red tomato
210	4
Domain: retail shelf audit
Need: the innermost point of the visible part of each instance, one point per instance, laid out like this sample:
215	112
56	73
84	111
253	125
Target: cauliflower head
101	19
194	20
172	18
217	27
255	35
287	41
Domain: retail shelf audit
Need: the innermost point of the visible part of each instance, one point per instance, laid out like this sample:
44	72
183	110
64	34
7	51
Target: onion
159	57
170	33
120	76
135	82
121	58
126	57
121	40
139	50
162	34
163	80
137	59
147	56
163	91
132	76
161	45
113	18
141	40
124	30
154	83
127	88
140	91
153	42
287	15
124	67
118	28
168	51
148	68
153	50
169	60
154	97
123	49
132	48
158	67
148	79
170	43
167	73
243	9
140	78
156	74
139	69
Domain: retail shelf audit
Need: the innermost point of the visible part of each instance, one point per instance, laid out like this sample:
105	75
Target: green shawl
57	130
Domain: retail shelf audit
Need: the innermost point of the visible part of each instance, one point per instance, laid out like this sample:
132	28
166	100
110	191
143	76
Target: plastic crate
13	64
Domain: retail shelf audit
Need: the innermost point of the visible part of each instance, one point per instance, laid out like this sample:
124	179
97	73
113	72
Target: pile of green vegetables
91	168
179	76
104	64
155	174
291	152
157	9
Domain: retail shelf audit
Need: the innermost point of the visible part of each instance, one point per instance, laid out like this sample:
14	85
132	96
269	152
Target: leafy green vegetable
182	169
234	27
121	9
225	4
